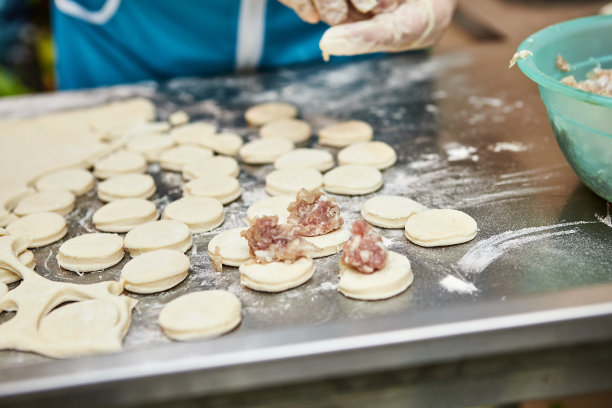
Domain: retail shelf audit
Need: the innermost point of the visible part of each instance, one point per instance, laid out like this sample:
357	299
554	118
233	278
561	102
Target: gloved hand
366	26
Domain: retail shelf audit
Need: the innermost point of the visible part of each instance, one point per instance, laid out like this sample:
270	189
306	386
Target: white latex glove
366	26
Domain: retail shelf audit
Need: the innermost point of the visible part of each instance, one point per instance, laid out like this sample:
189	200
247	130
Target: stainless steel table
523	311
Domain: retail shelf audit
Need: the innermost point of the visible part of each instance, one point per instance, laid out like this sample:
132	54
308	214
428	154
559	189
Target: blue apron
106	42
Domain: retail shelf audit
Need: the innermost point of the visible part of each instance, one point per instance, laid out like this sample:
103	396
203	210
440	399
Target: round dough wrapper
224	188
162	234
222	165
124	215
43	228
192	133
3	289
295	130
393	279
200	214
345	133
10	197
291	181
330	243
27	258
7	277
389	211
376	154
126	186
77	181
276	205
90	252
155	271
150	146
178	118
200	315
321	160
5	217
440	227
352	179
264	151
174	159
225	143
79	322
261	114
276	276
60	202
118	163
232	248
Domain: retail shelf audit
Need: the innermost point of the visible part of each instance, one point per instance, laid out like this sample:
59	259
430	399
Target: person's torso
106	42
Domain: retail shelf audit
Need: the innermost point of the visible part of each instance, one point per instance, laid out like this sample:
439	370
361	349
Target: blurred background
26	50
26	46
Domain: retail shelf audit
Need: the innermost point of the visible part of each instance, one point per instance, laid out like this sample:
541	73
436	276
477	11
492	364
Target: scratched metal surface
469	135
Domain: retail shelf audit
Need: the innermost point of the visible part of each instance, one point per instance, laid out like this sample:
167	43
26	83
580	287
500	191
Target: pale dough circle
200	214
388	211
223	165
321	160
330	243
154	235
261	114
178	118
291	181
124	215
352	179
118	163
6	217
44	228
264	151
440	227
345	133
27	258
155	271
225	143
60	202
269	206
3	289
295	130
192	133
79	322
224	188
174	159
7	277
126	186
276	276
394	278
90	252
77	181
150	146
200	315
231	247
376	154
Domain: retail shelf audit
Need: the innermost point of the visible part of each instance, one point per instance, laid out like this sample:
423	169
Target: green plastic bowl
581	121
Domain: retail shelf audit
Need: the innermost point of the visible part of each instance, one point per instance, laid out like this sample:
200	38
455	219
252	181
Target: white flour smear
607	220
509	195
508	147
479	102
456	285
485	252
457	152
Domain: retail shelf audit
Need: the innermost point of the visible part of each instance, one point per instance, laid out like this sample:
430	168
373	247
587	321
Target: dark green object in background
581	121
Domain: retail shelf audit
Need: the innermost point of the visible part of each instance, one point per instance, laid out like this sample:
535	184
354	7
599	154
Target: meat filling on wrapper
315	212
365	251
270	241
